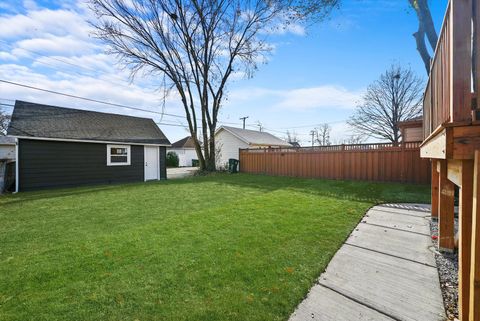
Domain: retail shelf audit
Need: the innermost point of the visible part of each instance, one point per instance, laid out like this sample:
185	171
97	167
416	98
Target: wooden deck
452	143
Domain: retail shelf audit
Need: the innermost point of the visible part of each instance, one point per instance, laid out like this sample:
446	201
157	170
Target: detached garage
59	147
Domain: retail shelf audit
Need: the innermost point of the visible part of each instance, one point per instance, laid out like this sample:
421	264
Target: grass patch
219	247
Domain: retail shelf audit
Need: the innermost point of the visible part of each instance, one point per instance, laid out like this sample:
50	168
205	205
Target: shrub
172	159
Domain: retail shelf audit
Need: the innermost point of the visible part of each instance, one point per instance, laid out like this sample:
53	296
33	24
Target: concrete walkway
180	172
385	271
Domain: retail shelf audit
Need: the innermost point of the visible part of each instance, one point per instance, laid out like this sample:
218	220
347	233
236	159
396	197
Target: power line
138	109
243	119
158	123
91	99
95	101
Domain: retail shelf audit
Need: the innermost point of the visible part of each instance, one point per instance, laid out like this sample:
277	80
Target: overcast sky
315	75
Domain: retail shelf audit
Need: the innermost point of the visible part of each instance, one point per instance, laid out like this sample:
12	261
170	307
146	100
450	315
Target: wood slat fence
366	162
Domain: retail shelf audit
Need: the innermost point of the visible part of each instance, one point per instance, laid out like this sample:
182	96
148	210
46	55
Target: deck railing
448	94
436	102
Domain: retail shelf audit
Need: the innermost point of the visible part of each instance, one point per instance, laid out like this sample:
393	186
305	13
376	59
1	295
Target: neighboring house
59	146
230	139
7	148
185	149
411	129
7	155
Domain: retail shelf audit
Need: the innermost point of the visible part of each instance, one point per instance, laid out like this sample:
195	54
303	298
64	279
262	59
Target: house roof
412	122
186	142
45	121
253	137
7	140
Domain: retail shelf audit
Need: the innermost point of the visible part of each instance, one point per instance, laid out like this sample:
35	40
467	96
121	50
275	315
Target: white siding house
227	147
7	155
230	139
7	148
185	150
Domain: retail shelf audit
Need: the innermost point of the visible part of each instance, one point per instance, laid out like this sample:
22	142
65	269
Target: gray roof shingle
186	142
254	137
45	121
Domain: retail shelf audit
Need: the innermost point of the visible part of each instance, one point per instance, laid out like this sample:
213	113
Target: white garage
185	149
230	139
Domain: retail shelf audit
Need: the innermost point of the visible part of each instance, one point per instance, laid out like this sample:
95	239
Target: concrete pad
400	288
403	244
414	207
376	274
180	172
394	211
326	305
401	222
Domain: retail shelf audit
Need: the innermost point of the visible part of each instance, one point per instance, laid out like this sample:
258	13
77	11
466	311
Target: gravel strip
447	264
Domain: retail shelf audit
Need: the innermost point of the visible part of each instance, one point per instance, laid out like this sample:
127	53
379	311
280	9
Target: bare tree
322	134
426	29
394	97
354	139
4	121
196	45
319	10
292	137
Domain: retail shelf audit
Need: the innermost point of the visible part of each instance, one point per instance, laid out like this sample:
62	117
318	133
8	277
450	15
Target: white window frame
109	155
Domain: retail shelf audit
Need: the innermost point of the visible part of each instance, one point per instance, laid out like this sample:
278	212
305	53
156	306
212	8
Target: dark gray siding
53	164
163	162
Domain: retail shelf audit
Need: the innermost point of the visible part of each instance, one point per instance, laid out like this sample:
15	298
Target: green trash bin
195	163
233	165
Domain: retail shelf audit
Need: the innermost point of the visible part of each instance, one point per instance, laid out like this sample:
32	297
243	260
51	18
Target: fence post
265	161
402	162
342	155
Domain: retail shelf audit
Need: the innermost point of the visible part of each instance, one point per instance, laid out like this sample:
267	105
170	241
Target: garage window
118	155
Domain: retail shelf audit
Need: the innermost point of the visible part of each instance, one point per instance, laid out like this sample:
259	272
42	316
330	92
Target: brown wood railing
447	97
368	162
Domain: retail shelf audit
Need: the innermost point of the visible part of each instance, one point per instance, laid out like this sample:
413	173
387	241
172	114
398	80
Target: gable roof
412	122
186	142
253	137
45	121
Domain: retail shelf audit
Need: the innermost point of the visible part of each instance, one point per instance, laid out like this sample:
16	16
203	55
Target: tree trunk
210	161
198	150
422	49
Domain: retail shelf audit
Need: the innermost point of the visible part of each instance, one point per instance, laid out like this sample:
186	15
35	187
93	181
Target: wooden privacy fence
366	162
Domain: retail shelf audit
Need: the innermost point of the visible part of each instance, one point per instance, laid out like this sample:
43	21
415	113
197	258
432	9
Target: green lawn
220	247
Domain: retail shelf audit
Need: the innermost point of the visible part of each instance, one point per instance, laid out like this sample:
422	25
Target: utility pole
312	132
243	118
260	126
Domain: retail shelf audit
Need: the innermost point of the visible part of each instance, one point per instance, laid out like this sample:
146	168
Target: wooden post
460	59
435	191
446	220
474	305
465	238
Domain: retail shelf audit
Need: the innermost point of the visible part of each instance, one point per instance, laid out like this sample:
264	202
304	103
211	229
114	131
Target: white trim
145	164
87	141
158	164
109	155
17	176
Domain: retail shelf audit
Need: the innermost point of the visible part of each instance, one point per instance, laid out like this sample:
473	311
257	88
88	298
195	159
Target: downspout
17	182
